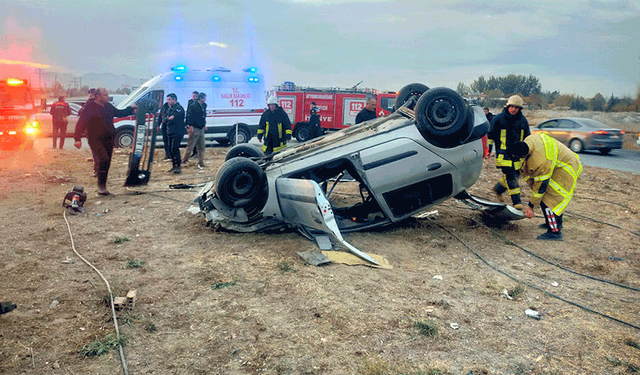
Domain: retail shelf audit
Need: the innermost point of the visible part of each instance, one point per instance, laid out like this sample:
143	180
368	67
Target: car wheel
223	142
576	145
303	133
245	150
124	138
442	117
243	136
241	183
605	151
408	91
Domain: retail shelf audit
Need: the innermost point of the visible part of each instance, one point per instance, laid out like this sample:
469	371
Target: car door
564	131
546	127
73	119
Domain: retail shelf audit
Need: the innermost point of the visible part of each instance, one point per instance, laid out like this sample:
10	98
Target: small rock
532	314
438	277
54	304
553	283
454	325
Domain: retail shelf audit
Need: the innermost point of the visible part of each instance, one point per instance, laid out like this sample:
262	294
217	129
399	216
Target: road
620	160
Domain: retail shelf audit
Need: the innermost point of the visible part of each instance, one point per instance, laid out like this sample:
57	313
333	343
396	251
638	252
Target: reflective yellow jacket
551	169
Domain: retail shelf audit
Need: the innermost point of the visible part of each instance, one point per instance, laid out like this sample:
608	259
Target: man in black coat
97	119
175	130
196	122
368	112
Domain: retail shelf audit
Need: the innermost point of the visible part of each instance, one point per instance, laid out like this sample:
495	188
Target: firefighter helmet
272	100
516	101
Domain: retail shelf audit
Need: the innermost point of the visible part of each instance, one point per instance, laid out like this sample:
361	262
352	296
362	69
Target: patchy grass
128	319
222	285
106	298
119	239
151	328
134	263
426	327
104	346
516	291
285	267
631	368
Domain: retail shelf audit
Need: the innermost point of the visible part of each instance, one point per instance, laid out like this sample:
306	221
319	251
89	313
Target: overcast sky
576	47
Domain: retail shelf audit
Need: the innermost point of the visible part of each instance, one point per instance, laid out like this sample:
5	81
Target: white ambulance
235	102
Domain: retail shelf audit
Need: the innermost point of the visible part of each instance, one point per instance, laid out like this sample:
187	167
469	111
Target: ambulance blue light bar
254	79
179	78
251	70
216	78
179	68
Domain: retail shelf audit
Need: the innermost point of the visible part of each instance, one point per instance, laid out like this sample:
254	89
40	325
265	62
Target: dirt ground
213	302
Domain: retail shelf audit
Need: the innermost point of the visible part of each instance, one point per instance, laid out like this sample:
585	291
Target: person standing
175	130
194	99
275	126
368	112
551	170
60	112
507	128
314	120
97	119
488	144
196	122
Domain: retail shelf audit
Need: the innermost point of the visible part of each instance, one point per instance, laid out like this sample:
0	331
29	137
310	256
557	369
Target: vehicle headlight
32	128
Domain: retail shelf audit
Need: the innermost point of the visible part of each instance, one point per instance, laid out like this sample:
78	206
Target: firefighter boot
499	190
551	236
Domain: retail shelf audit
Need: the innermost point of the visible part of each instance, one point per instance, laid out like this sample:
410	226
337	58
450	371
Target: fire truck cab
18	127
337	107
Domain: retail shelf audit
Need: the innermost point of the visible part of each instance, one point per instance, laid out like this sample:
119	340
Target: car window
549	124
567	124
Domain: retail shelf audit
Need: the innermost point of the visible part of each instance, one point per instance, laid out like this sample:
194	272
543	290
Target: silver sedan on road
581	134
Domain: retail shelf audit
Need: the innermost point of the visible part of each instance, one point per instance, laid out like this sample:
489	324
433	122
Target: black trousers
511	177
102	150
174	148
59	131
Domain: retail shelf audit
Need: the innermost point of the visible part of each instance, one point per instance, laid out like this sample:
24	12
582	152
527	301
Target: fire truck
18	127
338	107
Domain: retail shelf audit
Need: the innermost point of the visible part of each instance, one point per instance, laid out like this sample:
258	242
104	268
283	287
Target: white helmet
272	100
516	101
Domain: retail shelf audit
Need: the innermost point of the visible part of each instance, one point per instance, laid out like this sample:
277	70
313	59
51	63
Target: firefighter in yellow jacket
551	169
275	127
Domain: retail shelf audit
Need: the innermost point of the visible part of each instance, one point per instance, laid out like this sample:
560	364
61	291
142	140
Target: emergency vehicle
18	126
235	101
338	107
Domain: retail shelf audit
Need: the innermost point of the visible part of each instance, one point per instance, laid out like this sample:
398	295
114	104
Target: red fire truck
18	127
338	107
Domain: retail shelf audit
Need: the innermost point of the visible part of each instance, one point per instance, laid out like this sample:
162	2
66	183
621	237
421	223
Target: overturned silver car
373	174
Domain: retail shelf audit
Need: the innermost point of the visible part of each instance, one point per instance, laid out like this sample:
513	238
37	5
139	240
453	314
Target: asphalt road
621	160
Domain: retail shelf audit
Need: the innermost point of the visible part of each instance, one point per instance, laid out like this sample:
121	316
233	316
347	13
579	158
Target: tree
479	86
563	100
462	89
579	104
597	103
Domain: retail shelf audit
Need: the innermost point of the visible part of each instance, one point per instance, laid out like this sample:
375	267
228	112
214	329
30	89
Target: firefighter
551	170
60	112
275	127
507	128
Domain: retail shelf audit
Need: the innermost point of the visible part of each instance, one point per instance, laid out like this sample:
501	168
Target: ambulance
338	107
235	101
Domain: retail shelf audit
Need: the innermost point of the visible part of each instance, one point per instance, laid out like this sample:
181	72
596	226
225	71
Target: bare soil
213	302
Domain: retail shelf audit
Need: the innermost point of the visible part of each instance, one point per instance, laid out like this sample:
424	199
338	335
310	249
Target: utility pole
39	70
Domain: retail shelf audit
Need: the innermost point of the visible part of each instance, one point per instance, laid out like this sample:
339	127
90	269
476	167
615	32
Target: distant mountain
108	80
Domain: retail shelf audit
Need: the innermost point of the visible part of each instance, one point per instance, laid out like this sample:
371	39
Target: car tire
303	132
576	145
245	150
124	138
605	151
223	142
243	136
241	183
443	118
408	91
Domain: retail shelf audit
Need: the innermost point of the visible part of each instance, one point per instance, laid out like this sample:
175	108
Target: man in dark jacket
368	112
314	120
508	128
275	126
97	119
60	112
193	100
196	122
175	130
